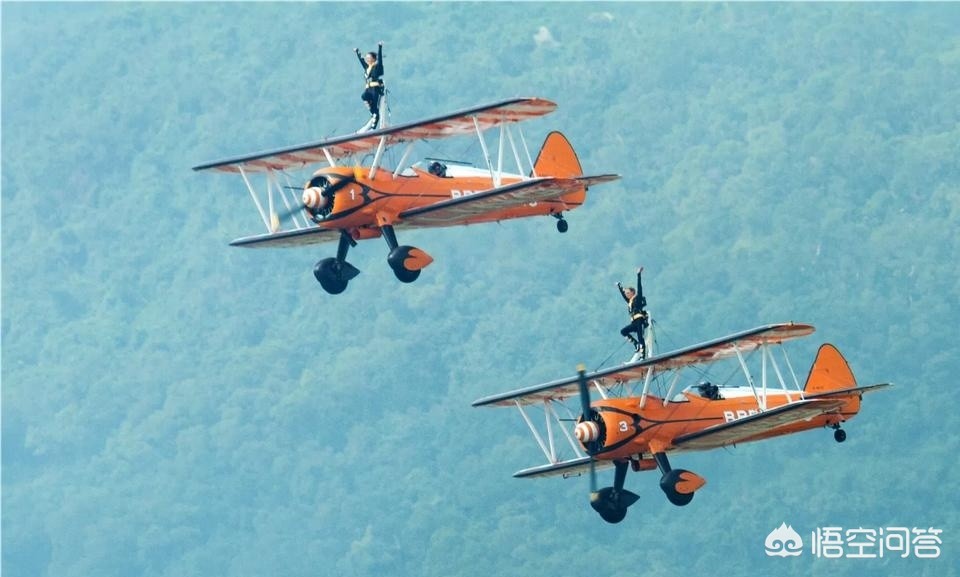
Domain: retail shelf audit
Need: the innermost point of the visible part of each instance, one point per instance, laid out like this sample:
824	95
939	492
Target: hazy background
174	406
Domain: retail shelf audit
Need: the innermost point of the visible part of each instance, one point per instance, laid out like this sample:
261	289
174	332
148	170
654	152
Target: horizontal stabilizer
850	391
588	181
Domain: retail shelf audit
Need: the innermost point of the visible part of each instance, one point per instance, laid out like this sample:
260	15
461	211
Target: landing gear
333	274
668	484
839	435
562	224
612	502
328	275
406	261
678	485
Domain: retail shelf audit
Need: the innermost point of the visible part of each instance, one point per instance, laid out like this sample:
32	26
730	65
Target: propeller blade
588	415
593	475
288	213
584	392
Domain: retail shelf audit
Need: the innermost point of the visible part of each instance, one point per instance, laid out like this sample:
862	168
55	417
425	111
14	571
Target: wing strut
526	149
486	154
536	434
500	154
762	405
796	382
673	383
646	387
548	414
377	156
403	159
329	157
513	148
256	201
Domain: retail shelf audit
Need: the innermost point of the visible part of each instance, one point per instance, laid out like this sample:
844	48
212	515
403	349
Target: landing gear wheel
612	504
406	276
613	515
407	262
839	435
668	484
562	225
327	272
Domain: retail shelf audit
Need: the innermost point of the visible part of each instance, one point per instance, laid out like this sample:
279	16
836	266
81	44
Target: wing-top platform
458	123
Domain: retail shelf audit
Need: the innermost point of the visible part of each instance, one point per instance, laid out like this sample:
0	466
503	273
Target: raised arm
640	297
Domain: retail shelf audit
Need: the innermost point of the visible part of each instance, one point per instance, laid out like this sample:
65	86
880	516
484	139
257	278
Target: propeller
317	197
611	502
588	430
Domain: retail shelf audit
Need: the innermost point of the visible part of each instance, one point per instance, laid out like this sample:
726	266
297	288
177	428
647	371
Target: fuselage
630	430
363	204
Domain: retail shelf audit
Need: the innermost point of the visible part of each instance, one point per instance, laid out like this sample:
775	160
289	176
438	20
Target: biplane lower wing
570	468
743	429
709	351
459	210
300	237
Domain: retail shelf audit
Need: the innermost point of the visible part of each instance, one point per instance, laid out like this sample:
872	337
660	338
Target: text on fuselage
738	414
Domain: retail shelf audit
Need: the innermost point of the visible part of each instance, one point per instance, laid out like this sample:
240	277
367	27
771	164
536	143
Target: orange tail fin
830	372
557	158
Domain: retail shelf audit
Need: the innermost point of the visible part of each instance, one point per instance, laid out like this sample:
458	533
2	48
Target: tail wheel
327	272
839	435
562	225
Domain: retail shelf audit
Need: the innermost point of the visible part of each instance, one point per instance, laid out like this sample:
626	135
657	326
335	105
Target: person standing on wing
372	64
639	319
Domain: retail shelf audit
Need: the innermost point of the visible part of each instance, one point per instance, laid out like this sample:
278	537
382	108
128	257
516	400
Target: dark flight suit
639	320
373	89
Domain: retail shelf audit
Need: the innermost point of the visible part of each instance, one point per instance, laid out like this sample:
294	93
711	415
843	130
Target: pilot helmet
437	168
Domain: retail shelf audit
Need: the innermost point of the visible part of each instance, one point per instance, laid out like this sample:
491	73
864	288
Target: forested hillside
175	406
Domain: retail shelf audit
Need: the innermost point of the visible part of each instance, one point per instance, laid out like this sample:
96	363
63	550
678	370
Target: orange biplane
630	430
347	202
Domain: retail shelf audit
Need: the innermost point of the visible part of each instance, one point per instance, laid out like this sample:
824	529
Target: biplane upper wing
458	210
299	237
707	352
743	429
454	124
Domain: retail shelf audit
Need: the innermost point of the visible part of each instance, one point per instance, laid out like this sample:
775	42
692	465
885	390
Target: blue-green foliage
173	406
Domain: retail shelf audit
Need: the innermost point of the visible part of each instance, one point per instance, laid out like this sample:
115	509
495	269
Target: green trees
172	406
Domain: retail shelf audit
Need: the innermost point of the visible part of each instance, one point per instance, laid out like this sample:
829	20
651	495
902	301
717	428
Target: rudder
829	372
557	158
